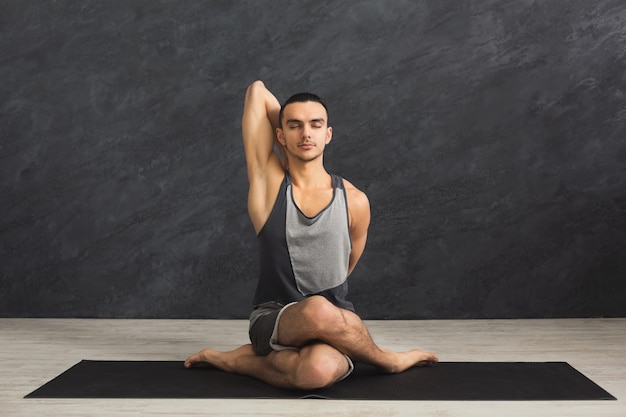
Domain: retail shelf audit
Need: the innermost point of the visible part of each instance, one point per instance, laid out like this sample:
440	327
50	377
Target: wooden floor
33	351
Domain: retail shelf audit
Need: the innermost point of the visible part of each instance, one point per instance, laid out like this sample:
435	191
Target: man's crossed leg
323	335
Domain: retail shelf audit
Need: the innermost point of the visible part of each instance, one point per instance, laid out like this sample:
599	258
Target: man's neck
308	175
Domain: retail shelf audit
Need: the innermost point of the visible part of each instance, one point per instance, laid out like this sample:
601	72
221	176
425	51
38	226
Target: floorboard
33	351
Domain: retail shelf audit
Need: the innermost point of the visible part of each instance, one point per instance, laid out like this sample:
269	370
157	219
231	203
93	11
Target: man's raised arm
265	172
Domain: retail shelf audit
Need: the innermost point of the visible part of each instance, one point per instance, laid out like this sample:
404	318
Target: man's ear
329	135
280	136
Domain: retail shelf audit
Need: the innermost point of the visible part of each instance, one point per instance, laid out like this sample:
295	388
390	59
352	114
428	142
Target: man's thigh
300	323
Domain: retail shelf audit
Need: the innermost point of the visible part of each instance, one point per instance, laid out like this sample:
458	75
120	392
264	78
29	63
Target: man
311	227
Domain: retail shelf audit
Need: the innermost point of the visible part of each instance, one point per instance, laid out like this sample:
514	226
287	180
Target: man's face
304	132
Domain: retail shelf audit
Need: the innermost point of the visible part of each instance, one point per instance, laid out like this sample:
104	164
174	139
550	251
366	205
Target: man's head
304	130
301	98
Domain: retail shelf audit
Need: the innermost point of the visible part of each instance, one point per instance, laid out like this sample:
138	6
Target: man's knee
320	368
314	376
322	314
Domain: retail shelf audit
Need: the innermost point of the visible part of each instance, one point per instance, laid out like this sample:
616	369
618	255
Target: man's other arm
359	211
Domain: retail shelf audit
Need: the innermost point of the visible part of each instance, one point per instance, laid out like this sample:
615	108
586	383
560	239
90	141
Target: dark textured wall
489	136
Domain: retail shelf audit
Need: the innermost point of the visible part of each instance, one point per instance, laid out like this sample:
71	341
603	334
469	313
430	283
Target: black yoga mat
498	381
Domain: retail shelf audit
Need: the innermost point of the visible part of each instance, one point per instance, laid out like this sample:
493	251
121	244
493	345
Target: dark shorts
263	330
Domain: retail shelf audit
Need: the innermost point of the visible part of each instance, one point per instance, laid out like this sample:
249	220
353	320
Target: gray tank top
301	256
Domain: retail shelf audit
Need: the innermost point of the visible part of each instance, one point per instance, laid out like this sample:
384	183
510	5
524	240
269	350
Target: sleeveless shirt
300	256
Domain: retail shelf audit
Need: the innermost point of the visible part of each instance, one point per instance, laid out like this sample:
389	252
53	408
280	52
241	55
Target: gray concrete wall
488	135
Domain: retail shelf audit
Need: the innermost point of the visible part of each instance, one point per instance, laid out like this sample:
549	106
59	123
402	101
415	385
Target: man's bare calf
312	367
315	318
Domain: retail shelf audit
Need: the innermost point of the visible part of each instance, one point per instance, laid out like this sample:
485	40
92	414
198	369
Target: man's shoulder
356	197
350	187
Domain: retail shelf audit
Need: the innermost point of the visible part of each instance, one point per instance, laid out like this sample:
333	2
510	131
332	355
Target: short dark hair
301	98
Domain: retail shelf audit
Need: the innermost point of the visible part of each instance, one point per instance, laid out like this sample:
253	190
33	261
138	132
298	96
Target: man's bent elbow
255	88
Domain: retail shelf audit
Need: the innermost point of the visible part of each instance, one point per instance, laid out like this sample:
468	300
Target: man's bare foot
425	358
221	360
409	359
